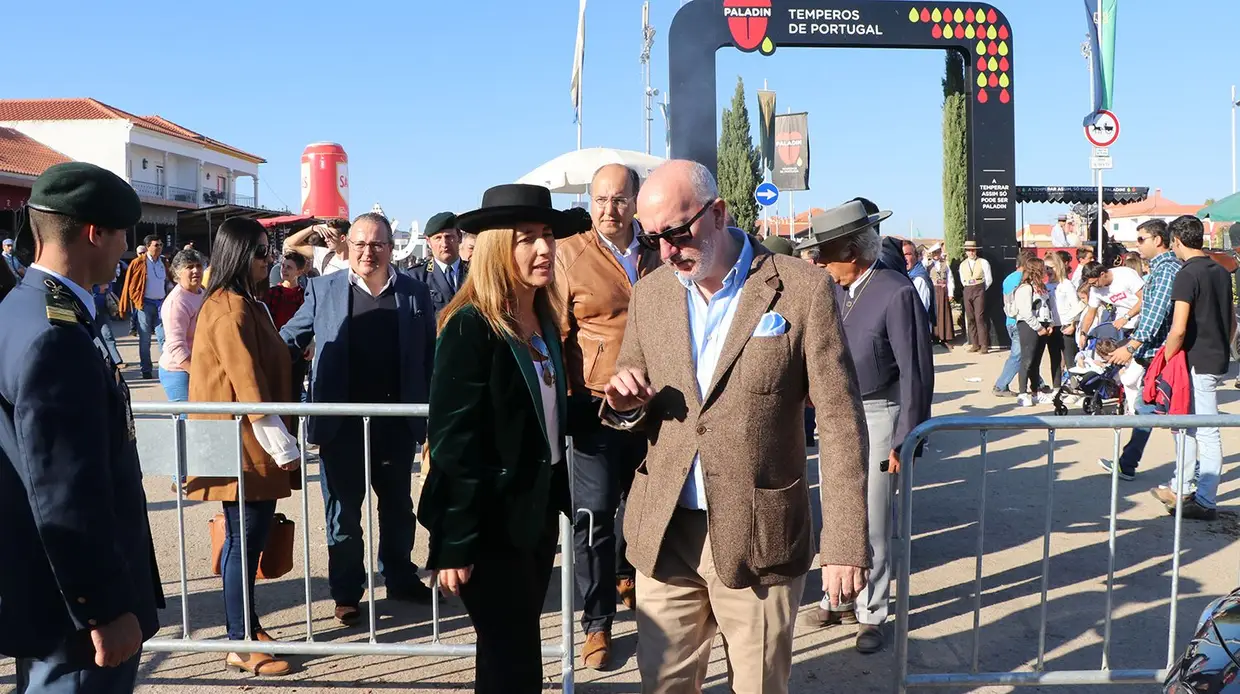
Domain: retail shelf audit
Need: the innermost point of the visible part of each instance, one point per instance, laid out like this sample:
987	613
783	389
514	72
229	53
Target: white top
327	261
1122	293
551	411
1059	239
1066	306
922	285
355	278
1032	308
628	257
967	267
156	279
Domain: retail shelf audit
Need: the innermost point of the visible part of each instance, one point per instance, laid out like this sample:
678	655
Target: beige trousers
679	612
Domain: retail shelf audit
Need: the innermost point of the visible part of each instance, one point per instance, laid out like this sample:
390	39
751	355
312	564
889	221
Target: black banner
766	127
791	170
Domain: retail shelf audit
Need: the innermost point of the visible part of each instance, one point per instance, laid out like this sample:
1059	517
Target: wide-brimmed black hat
838	222
505	206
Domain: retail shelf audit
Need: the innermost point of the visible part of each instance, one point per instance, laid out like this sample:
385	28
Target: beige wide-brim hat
838	222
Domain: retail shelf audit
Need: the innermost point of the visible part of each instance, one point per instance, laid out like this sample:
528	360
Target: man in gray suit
374	342
721	349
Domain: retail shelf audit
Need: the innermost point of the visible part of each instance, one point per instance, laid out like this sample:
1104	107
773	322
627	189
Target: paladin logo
747	20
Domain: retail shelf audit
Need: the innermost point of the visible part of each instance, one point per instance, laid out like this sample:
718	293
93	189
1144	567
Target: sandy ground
945	541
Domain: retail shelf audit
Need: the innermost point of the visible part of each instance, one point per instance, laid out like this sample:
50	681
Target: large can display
325	180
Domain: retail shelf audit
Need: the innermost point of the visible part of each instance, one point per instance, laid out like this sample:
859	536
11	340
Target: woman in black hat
498	415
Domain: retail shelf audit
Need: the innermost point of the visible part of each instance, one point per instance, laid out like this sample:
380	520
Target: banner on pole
1102	49
791	169
766	127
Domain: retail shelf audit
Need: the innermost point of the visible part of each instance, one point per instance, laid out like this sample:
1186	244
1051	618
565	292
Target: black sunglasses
262	252
675	236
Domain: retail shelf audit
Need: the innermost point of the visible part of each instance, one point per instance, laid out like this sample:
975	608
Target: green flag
1107	42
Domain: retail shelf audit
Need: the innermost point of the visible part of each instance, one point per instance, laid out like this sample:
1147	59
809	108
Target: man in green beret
78	583
444	272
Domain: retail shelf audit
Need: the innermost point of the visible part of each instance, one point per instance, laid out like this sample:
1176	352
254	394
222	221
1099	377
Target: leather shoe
869	638
627	590
818	618
348	615
412	590
259	664
596	653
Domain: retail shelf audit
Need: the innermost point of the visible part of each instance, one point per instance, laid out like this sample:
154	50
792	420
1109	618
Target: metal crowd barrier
169	445
1039	677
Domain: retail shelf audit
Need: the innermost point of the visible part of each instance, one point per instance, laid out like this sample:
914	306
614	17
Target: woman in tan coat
239	357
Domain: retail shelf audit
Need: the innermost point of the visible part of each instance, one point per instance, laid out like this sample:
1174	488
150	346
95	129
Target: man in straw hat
721	349
889	339
976	278
944	289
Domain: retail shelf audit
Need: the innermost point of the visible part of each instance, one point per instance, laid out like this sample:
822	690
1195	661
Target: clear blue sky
435	101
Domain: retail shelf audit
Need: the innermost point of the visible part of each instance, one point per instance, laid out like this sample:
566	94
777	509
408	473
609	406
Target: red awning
288	220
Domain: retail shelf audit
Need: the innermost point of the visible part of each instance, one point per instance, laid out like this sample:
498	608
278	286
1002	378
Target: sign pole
1101	224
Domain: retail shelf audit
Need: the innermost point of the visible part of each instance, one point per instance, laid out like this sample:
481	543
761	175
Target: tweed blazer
747	426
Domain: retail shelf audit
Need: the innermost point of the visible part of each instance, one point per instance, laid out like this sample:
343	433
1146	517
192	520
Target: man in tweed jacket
721	350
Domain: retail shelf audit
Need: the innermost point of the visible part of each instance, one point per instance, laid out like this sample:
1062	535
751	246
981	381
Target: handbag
274	561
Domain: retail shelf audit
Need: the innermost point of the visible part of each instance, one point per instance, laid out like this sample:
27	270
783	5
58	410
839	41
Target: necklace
852	299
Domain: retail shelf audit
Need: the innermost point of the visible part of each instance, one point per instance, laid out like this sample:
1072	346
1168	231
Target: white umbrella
571	173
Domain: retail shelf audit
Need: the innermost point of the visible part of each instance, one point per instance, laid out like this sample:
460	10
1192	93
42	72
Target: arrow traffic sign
766	194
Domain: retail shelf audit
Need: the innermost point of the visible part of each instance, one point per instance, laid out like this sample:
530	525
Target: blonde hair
1059	267
491	287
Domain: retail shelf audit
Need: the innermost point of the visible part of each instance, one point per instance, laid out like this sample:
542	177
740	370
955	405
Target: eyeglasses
374	246
619	202
677	236
262	252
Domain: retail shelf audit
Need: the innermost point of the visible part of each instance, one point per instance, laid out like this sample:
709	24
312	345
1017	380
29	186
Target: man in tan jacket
594	275
720	352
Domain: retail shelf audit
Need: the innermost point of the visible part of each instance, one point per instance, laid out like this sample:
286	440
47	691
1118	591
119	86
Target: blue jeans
176	384
1135	448
258	515
71	669
148	324
109	340
1012	366
1202	446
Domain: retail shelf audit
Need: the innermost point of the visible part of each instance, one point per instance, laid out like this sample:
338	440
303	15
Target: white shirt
966	271
355	278
709	324
156	279
1066	306
82	295
628	257
328	261
860	281
1121	293
1058	238
551	411
1076	275
455	276
923	290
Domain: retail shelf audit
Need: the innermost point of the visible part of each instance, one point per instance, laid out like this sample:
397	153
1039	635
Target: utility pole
648	93
1234	104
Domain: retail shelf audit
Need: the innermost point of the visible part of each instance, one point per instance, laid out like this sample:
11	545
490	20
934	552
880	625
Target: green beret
778	245
87	193
440	222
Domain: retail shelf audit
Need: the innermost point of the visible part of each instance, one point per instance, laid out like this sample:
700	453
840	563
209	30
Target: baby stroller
1097	388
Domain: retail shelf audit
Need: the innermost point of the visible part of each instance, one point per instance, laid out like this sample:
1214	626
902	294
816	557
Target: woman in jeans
239	357
1066	305
1032	304
179	314
103	322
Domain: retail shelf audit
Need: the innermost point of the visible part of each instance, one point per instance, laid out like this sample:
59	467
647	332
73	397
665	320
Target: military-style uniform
76	541
442	287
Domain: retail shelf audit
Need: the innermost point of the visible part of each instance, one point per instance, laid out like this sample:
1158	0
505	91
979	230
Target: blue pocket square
771	325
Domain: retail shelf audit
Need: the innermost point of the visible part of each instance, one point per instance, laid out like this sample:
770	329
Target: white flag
579	59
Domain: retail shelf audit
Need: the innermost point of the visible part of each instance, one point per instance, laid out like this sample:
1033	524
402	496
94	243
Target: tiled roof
21	155
1153	206
90	109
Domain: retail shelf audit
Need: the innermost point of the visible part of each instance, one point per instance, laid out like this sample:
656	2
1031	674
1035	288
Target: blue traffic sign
766	194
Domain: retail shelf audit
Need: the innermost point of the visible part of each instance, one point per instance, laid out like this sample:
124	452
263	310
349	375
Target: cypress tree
955	156
739	162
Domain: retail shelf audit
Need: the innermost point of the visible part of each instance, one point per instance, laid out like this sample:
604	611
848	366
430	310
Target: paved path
945	539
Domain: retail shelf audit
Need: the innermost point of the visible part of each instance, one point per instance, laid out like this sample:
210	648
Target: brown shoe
596	653
258	664
627	590
1164	494
348	615
971	349
818	618
869	638
262	635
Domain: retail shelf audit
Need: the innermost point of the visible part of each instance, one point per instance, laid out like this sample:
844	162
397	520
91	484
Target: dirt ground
945	541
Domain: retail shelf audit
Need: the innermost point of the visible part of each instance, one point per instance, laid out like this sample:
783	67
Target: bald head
682	197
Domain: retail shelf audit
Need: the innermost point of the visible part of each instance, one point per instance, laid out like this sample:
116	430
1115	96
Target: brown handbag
274	561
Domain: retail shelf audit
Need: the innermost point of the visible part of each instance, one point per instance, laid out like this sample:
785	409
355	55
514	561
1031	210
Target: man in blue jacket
79	588
374	342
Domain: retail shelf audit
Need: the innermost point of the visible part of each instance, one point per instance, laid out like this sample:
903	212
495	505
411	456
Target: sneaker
1002	393
1044	398
1194	510
1024	400
1105	464
1167	496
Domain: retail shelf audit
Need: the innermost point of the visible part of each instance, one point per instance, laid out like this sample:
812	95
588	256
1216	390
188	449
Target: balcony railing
245	200
215	197
181	194
150	190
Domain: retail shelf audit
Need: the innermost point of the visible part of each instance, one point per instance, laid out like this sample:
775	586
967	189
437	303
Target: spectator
920	276
1066	306
1059	236
104	308
444	272
239	357
944	282
1031	302
180	318
1012	365
15	266
467	246
325	246
1202	324
285	298
1084	256
147	282
976	278
1118	289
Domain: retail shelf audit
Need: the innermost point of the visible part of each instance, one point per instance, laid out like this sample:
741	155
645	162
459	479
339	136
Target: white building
171	167
1126	218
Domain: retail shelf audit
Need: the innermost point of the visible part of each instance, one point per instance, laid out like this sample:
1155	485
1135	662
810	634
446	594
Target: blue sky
435	101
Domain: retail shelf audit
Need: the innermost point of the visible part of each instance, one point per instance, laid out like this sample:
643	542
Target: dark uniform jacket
441	291
75	541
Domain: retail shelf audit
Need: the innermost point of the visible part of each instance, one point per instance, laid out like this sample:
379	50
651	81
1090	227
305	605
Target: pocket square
771	325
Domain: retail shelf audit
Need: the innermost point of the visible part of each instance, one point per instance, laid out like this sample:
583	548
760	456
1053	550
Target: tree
955	156
739	162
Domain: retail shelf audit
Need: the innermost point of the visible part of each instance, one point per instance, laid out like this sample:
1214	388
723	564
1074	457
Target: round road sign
1102	130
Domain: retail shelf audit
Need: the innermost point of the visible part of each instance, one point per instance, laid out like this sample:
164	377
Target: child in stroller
1092	382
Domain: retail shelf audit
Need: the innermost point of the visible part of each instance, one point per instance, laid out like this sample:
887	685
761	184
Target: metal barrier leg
178	424
1046	543
435	608
305	524
1181	465
567	588
981	539
245	557
1106	629
370	526
903	561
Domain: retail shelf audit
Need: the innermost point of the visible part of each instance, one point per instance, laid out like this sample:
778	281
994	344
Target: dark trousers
504	598
1130	458
344	488
1032	345
604	462
258	515
1054	347
809	426
975	313
1069	347
71	669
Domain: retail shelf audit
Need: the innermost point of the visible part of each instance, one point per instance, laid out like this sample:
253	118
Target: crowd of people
680	356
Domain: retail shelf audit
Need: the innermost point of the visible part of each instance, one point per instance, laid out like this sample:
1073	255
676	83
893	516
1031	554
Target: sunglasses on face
677	236
262	251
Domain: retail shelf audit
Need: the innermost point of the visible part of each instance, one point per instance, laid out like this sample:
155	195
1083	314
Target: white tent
571	173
